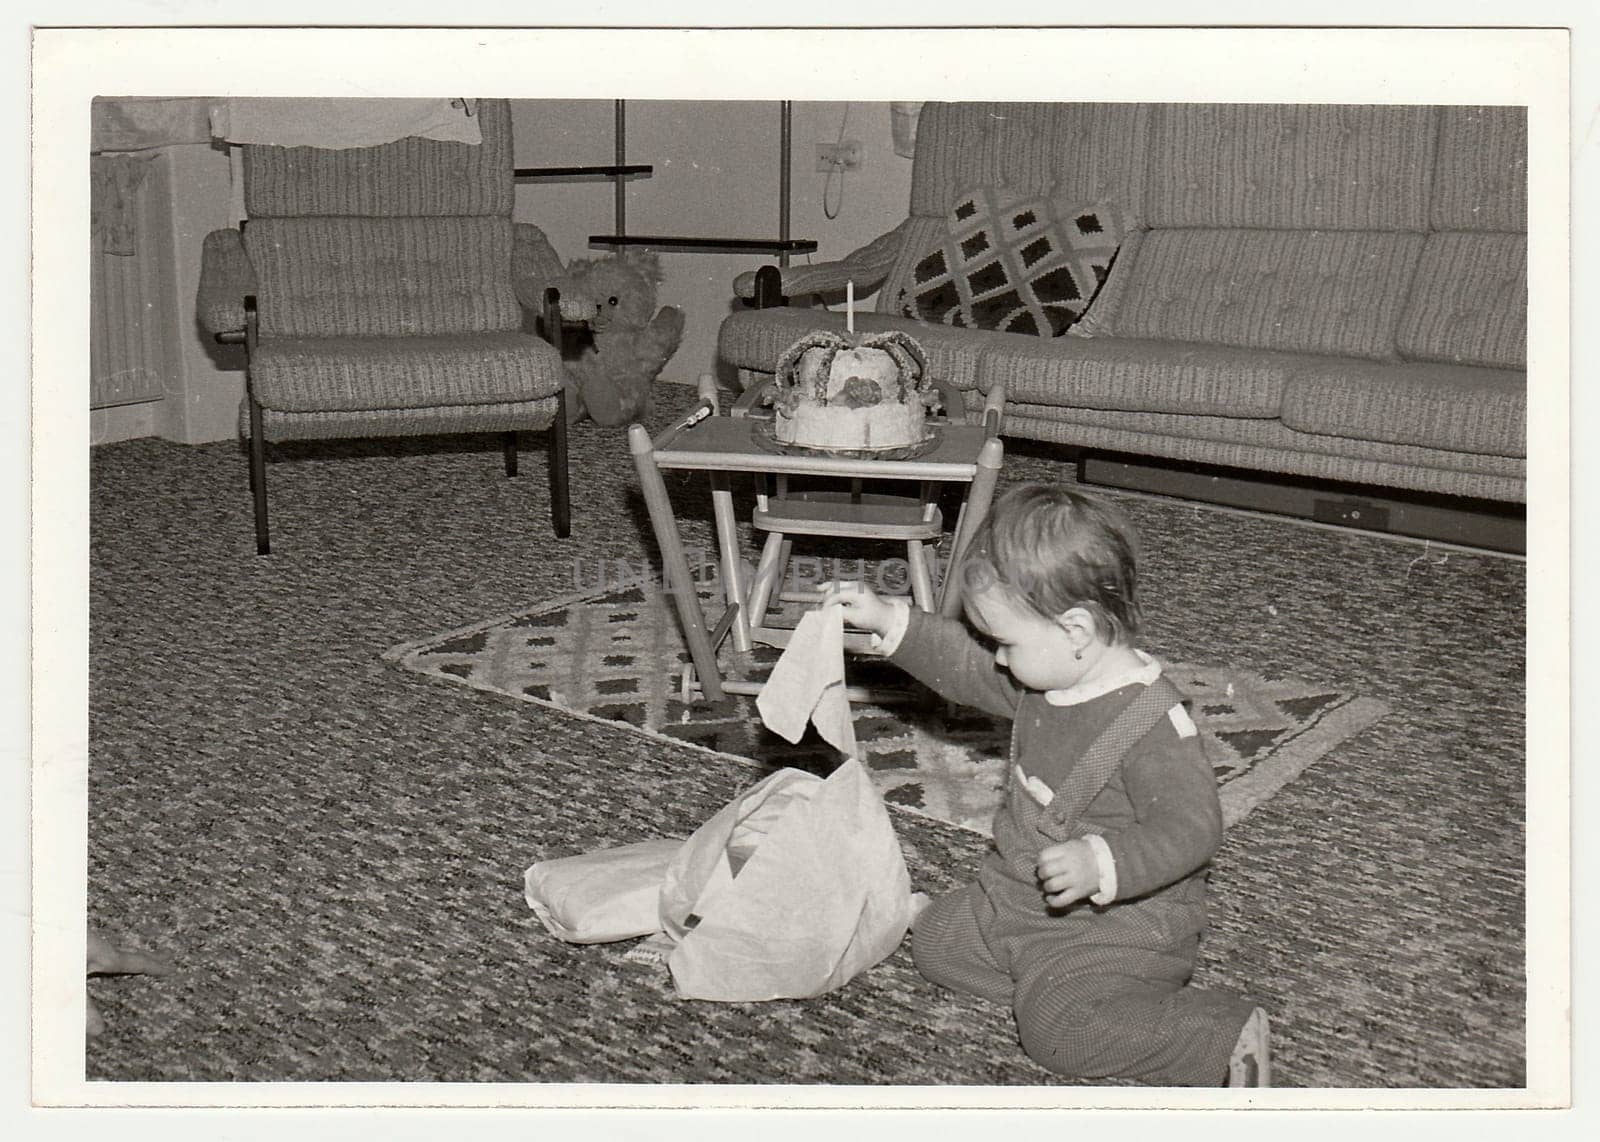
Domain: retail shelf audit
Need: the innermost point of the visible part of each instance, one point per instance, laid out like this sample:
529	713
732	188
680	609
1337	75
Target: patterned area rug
617	655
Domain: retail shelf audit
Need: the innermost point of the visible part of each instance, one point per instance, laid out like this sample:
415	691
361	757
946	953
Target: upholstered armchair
375	291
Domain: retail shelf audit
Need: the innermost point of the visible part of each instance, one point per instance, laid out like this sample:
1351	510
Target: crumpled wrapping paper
598	897
791	890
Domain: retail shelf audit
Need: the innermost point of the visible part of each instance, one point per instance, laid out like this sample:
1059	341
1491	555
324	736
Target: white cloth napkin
807	684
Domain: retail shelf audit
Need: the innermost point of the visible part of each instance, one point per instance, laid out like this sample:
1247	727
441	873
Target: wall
206	406
716	174
205	381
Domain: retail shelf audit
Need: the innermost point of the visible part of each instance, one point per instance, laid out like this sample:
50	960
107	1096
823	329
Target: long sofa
1336	293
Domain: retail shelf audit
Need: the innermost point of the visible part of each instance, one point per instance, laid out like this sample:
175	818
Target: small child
1086	915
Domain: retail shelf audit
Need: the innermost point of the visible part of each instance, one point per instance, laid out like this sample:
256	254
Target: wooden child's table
701	440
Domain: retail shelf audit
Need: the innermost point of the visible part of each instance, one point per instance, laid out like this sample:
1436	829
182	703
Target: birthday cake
858	394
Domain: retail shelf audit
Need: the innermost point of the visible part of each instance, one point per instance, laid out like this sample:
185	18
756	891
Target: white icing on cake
835	421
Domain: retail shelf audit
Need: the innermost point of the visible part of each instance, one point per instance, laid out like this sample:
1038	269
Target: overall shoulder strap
1105	755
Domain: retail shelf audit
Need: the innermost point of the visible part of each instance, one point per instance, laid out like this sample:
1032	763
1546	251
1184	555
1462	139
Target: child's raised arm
941	653
950	660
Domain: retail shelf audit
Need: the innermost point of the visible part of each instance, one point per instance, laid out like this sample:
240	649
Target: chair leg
508	442
972	514
560	503
258	477
734	588
766	578
781	576
677	578
921	581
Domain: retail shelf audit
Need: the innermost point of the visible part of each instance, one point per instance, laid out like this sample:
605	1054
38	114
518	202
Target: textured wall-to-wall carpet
331	849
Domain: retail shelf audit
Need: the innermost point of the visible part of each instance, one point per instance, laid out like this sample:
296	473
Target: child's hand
1068	872
862	607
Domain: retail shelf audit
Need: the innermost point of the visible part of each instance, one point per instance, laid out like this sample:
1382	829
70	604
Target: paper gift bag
790	891
594	898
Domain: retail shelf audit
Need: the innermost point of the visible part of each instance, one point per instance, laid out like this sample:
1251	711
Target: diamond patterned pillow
1014	261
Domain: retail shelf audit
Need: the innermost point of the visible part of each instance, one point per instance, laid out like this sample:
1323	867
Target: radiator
133	312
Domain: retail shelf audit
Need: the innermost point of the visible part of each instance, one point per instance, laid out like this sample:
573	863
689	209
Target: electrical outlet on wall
845	156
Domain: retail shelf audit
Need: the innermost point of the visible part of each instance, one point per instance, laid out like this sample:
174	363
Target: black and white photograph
863	568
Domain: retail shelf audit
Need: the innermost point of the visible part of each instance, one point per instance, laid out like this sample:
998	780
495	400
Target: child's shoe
1251	1063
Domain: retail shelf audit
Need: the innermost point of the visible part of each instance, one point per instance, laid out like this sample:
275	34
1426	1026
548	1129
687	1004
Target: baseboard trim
1478	524
113	424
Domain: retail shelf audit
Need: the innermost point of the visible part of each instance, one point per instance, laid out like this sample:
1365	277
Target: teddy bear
610	367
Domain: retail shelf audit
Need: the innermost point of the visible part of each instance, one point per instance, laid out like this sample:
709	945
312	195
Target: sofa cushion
1432	406
1015	262
1140	375
1087	152
1469	302
519	416
1270	446
1025	420
756	338
1480	181
1290	166
406	178
336	374
383	277
1325	292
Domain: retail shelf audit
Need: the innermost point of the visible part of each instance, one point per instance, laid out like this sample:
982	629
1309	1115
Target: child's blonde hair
1054	549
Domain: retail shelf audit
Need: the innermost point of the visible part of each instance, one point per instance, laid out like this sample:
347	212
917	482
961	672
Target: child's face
1035	650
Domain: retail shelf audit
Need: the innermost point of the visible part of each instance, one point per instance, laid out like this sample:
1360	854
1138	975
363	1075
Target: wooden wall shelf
621	170
717	245
630	170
